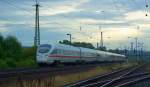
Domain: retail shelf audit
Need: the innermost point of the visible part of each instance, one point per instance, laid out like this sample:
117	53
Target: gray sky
118	19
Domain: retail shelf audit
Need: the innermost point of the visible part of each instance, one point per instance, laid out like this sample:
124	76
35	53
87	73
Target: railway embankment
54	77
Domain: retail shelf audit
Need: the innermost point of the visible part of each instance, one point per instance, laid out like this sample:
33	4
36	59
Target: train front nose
42	53
42	57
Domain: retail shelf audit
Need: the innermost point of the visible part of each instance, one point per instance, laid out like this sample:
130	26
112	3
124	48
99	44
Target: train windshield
44	48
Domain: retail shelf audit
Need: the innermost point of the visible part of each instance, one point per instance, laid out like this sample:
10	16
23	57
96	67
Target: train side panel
64	53
68	54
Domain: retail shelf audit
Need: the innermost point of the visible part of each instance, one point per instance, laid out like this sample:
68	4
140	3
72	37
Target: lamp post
69	37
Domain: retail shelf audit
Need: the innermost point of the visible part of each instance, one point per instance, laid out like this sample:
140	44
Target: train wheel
57	64
42	64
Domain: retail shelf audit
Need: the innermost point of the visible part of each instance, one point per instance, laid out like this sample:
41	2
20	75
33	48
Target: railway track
126	79
135	81
119	82
35	73
45	76
106	80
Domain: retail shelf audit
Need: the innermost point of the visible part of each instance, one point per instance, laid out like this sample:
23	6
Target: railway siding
118	78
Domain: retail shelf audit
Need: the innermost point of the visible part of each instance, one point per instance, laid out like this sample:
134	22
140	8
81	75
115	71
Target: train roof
69	47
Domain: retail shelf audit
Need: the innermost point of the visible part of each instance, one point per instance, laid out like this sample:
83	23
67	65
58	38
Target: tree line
89	45
12	54
82	44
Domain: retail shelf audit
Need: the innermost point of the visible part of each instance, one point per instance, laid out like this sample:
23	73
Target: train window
71	53
55	51
68	53
75	53
98	54
85	54
44	48
60	52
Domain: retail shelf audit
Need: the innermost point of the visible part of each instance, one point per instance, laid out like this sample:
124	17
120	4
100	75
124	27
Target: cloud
136	15
3	29
58	17
89	21
63	8
58	10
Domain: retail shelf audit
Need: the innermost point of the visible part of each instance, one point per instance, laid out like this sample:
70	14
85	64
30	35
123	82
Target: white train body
48	54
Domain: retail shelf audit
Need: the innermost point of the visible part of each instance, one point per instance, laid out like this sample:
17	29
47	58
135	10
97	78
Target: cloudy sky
118	19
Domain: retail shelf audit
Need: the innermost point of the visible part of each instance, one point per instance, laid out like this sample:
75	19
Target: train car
88	55
56	53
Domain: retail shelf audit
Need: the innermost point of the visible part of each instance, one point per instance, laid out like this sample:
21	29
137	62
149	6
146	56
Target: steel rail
117	81
129	83
127	73
103	77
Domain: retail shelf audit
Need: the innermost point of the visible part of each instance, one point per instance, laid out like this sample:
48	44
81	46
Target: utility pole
80	28
142	55
37	26
101	40
125	51
141	51
97	45
131	46
131	49
136	48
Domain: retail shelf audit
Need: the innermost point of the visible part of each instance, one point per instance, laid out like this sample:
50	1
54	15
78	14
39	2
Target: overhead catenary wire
145	6
25	11
114	4
70	27
13	5
63	26
138	5
118	5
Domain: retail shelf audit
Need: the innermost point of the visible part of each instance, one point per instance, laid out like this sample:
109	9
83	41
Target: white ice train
50	54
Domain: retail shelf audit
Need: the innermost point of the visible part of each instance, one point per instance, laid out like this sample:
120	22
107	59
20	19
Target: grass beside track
62	79
70	78
147	67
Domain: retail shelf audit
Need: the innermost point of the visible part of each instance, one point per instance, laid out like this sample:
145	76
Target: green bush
1	52
3	64
12	47
11	62
27	63
13	55
29	52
